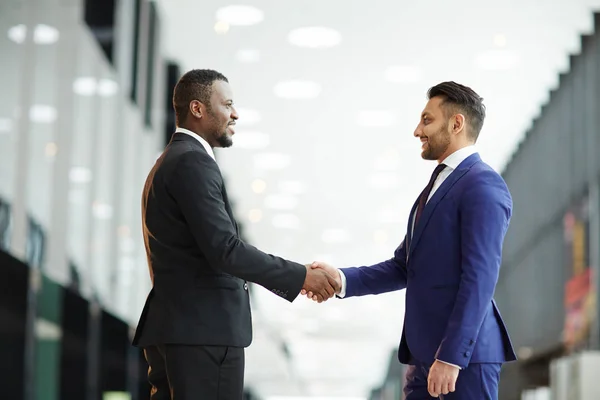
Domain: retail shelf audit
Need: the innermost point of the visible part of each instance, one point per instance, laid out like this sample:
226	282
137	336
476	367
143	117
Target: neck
197	132
452	149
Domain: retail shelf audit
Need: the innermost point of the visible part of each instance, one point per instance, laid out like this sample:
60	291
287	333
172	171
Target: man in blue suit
454	339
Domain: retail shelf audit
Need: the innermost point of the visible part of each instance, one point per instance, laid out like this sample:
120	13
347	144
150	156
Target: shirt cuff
447	363
342	293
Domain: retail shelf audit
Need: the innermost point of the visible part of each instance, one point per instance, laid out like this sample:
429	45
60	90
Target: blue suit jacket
449	267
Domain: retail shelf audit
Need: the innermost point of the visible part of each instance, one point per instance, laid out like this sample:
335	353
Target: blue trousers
476	382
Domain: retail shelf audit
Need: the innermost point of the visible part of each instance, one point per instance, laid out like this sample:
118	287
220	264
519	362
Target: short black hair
194	85
464	99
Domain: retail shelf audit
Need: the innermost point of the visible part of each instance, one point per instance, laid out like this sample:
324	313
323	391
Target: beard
437	144
224	140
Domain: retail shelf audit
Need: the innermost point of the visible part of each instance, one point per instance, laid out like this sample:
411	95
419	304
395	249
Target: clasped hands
322	282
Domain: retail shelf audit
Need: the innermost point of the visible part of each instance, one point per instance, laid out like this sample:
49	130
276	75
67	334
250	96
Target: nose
417	132
234	114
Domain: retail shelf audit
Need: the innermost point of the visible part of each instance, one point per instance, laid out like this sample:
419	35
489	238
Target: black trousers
179	372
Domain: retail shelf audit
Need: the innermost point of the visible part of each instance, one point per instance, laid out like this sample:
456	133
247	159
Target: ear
457	124
196	109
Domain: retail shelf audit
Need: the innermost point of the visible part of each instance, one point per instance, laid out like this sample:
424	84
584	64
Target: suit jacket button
467	354
471	341
245	286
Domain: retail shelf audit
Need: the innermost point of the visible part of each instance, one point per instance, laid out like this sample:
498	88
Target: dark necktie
427	191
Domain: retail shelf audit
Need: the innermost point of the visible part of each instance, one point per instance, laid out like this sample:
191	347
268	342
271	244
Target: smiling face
435	130
221	115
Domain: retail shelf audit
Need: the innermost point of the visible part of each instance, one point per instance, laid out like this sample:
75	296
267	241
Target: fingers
452	386
432	388
444	388
334	284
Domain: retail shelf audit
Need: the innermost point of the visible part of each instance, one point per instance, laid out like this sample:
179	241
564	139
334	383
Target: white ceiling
343	189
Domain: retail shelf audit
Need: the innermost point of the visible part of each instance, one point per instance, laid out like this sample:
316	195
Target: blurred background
324	167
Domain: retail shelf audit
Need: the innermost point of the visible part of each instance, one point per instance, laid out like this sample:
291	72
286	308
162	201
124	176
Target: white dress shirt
452	162
204	143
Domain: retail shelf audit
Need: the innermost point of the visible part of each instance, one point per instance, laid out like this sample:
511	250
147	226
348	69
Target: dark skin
215	123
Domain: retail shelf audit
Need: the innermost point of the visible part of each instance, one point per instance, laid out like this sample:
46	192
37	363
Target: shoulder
482	181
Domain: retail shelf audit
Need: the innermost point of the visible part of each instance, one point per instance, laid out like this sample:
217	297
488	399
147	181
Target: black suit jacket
198	263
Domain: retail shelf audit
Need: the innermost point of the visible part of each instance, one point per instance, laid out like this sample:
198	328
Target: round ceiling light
239	15
403	74
315	37
297	89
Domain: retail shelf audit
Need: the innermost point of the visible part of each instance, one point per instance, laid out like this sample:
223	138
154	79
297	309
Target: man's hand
441	379
320	283
331	271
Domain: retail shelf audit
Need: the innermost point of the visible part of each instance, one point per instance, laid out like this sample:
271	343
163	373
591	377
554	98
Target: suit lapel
409	228
437	197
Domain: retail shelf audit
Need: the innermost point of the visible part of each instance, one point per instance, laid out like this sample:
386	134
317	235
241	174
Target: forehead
434	106
221	90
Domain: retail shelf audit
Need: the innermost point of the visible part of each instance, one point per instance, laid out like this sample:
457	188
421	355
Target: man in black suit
196	321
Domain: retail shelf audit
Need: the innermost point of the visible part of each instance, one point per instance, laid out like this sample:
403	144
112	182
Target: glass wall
74	150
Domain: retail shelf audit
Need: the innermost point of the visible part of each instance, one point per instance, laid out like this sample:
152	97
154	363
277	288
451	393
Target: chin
225	141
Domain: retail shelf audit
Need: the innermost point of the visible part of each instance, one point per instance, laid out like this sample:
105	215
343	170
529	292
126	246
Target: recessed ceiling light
221	27
403	74
240	15
107	87
17	33
286	221
80	175
281	202
375	118
248	55
5	125
251	140
292	187
271	161
124	231
497	60
315	37
297	89
247	116
500	40
42	114
259	186
102	210
85	86
45	34
51	150
335	236
255	215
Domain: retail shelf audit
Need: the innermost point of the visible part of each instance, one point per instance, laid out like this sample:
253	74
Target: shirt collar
454	159
204	143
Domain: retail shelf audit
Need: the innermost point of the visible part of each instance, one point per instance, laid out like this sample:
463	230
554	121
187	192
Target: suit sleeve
384	277
196	185
485	213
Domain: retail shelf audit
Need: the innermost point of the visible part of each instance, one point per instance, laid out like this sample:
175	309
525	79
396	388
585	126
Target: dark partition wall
114	348
553	176
73	354
13	309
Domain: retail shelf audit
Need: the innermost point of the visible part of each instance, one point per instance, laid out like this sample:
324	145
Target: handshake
322	282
